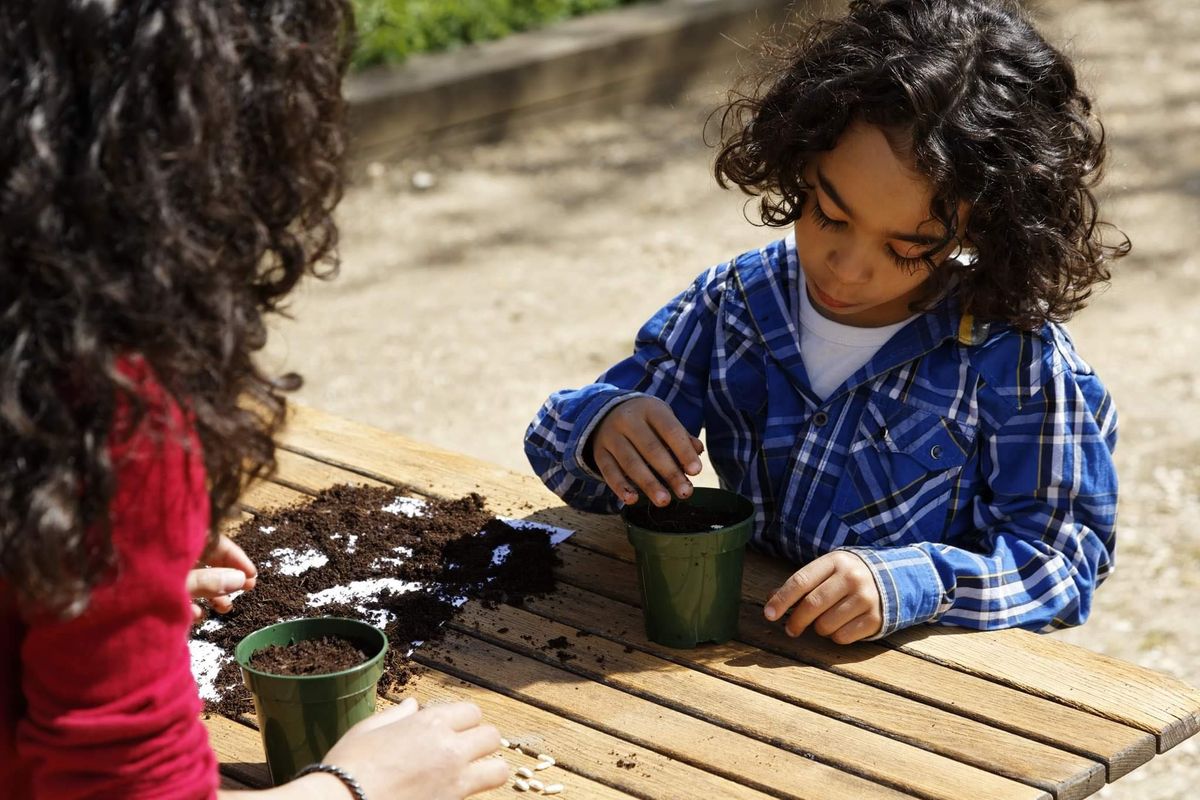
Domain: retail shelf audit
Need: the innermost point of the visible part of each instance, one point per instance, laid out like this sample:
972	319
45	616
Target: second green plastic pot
302	716
691	583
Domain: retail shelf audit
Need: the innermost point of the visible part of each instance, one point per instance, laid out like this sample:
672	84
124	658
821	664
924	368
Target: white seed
376	170
536	785
422	180
525	772
544	765
554	788
520	785
546	758
505	743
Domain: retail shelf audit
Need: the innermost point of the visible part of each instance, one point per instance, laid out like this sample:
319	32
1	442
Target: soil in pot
681	517
320	656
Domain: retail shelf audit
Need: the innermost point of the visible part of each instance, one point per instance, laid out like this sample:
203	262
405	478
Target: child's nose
850	268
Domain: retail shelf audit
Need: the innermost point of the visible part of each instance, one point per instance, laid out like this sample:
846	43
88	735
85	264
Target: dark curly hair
167	174
988	111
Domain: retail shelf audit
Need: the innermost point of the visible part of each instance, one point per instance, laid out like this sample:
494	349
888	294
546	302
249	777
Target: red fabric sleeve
111	709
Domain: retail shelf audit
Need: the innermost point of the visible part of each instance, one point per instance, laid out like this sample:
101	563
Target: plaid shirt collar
767	309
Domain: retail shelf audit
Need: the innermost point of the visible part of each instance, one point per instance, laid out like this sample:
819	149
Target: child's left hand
835	593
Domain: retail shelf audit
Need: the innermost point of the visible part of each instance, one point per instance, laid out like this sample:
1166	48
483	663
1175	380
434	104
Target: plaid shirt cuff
910	590
574	454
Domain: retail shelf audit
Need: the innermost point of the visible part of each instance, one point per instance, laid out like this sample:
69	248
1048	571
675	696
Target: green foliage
391	30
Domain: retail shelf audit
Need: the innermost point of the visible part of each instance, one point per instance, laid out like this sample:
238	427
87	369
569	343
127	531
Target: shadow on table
245	774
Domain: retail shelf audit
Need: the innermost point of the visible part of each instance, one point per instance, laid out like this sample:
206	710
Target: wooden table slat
1120	747
1066	775
847	744
239	749
587	757
706	745
1143	698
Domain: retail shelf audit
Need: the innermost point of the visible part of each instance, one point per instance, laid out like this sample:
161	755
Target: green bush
391	30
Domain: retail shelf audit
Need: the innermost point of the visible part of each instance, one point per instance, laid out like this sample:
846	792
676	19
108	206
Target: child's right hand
641	443
439	752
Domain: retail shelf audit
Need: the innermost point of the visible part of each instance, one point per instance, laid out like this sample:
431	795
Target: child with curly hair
168	172
890	383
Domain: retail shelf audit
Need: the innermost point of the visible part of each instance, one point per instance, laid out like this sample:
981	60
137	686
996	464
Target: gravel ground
527	266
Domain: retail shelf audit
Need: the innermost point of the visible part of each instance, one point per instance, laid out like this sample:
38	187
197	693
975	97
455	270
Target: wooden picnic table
931	712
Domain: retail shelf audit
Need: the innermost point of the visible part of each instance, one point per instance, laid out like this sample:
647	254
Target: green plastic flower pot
691	583
302	716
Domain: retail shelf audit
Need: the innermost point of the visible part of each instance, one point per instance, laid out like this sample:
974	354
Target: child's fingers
487	773
617	480
848	608
228	554
222	603
197	613
662	461
459	716
388	716
668	428
384	718
212	582
479	742
698	445
861	627
824	597
632	464
797	586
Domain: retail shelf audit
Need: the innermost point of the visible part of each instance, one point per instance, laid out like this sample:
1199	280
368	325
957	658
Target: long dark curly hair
167	174
988	111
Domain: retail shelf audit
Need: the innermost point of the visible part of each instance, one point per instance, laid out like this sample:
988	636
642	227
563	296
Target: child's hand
641	443
227	569
835	593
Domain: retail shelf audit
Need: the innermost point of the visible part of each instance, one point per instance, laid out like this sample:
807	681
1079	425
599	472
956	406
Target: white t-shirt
832	351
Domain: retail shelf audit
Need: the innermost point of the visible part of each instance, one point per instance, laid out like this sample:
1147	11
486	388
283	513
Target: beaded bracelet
340	774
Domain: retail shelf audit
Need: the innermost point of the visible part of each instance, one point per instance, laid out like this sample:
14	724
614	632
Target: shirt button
935	452
820	418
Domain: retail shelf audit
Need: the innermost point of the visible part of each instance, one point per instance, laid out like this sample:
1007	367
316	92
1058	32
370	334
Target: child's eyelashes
824	221
909	265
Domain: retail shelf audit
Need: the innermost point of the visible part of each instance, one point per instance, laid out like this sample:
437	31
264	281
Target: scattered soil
452	545
680	517
321	656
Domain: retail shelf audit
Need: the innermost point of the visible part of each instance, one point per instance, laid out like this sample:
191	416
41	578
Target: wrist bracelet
340	774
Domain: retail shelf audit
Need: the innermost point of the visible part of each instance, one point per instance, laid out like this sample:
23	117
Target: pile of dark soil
680	517
452	543
308	657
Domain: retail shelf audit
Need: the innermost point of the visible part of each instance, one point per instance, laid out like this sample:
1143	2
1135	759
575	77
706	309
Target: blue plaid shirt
970	468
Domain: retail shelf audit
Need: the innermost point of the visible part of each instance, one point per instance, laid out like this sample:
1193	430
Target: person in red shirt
168	172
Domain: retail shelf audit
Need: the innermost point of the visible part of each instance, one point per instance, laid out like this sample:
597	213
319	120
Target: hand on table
835	594
641	443
433	753
226	569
